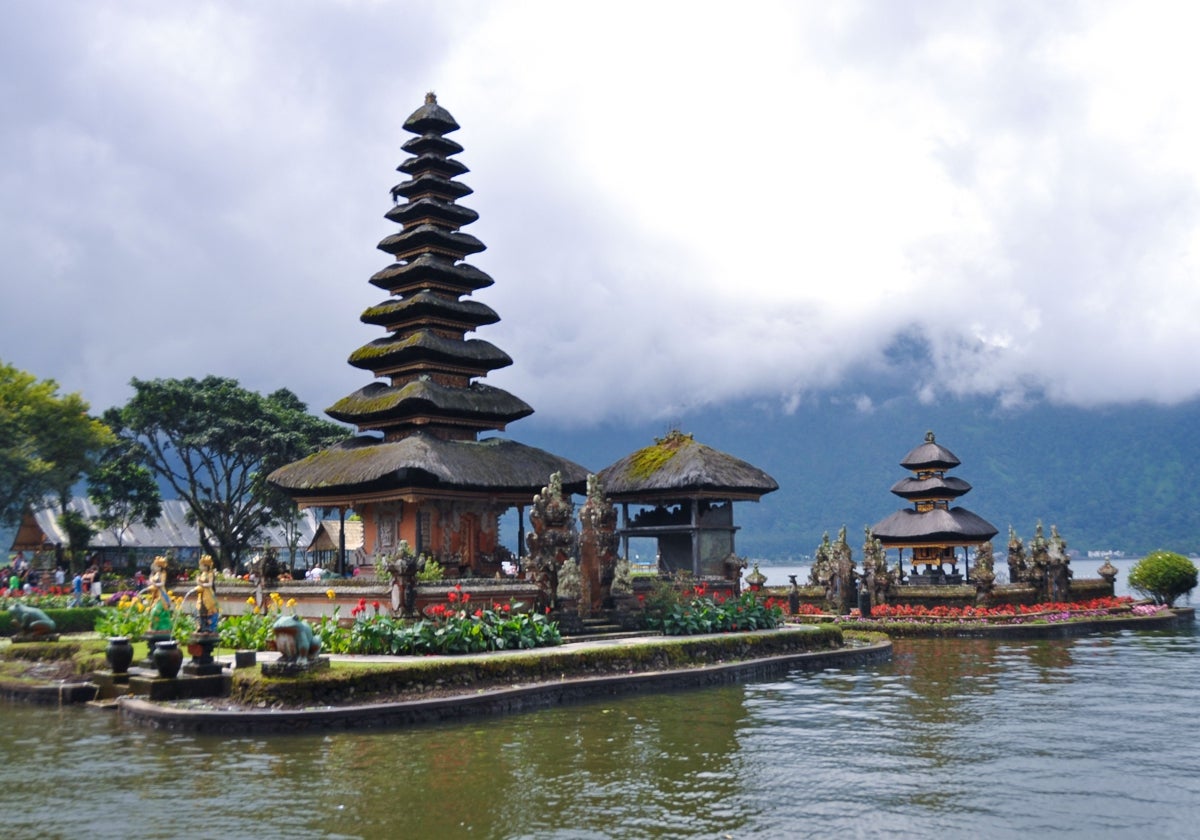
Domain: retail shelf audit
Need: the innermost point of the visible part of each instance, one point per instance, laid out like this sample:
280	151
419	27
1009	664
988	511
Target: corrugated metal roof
170	531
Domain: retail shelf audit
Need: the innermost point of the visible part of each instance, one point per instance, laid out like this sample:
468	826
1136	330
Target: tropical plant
698	611
1163	576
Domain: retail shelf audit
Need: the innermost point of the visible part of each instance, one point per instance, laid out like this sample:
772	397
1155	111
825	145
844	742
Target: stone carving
161	608
1017	564
984	572
553	540
1039	559
822	567
842	591
877	578
597	548
402	568
1058	568
295	641
208	611
32	624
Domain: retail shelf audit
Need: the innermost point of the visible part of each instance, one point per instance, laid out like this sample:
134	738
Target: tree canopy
48	442
214	443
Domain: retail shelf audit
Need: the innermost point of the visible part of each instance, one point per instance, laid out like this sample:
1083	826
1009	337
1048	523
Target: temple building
686	492
931	528
418	470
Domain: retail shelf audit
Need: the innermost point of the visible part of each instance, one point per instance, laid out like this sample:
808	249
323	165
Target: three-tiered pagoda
931	527
418	470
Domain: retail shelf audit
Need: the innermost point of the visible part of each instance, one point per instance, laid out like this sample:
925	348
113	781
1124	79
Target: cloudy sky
684	203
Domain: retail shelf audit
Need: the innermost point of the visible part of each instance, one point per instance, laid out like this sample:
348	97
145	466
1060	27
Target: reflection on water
1073	737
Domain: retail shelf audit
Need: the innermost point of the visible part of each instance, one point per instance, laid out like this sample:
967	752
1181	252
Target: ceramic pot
168	659
119	654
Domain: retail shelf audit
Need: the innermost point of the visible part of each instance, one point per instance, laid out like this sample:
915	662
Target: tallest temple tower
418	470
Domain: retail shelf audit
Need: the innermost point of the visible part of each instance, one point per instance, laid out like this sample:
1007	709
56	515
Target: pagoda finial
430	98
929	437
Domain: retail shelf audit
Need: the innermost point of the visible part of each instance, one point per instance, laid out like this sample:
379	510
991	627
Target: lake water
1091	738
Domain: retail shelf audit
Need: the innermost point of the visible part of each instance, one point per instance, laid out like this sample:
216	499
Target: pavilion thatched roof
956	526
367	466
678	467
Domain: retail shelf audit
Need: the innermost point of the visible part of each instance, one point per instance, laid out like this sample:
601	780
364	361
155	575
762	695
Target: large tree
121	486
215	443
47	442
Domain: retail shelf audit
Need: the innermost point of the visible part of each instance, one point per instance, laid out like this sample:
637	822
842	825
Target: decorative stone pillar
553	540
597	548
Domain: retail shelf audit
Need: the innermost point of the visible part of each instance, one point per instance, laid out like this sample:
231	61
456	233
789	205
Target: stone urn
245	658
119	654
168	658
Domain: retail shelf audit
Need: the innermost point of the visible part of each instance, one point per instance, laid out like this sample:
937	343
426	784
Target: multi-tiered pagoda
931	528
418	470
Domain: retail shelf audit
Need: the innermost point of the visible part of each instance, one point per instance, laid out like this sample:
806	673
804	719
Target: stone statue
597	548
553	539
984	573
1017	566
295	641
822	566
1058	567
1039	559
208	611
32	624
402	569
877	578
161	608
842	591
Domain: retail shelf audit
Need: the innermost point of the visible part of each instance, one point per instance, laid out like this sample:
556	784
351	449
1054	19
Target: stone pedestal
202	664
296	668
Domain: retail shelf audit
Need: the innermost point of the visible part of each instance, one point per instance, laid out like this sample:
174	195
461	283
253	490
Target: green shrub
1163	576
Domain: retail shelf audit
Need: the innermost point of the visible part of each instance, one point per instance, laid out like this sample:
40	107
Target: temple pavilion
931	528
685	493
418	470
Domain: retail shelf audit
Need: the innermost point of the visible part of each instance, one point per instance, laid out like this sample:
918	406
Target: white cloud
683	205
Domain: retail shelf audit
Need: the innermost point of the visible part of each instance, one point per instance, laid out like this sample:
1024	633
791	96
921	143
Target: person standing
77	590
60	576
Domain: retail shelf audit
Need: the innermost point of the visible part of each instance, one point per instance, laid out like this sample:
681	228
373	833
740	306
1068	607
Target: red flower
479	613
451	596
375	604
466	596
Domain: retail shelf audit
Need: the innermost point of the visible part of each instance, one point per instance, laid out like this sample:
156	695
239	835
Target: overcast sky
683	203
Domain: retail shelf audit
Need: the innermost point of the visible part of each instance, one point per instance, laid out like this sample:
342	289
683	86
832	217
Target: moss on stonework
646	462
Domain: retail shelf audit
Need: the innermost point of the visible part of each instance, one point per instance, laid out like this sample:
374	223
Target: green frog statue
295	641
33	625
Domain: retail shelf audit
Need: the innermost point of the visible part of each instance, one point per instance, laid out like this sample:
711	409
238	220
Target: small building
931	529
686	492
418	471
137	545
331	538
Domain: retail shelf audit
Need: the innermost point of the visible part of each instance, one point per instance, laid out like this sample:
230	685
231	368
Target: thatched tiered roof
429	466
932	522
678	467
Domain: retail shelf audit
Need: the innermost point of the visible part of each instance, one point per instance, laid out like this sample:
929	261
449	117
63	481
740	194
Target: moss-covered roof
423	461
480	403
425	304
433	237
431	269
427	346
677	465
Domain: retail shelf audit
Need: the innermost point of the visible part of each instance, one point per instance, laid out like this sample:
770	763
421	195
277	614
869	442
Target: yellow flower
250	601
291	602
256	610
276	598
140	606
330	594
